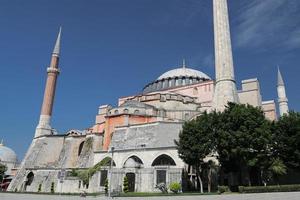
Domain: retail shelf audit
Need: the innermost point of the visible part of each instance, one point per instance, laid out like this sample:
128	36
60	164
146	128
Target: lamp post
111	167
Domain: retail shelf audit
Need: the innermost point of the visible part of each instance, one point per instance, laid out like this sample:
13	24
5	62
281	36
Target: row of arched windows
172	82
134	161
126	111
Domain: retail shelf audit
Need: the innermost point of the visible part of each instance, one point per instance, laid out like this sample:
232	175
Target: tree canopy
287	138
247	145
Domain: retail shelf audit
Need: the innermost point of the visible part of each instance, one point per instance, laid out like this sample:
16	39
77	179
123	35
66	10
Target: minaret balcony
53	70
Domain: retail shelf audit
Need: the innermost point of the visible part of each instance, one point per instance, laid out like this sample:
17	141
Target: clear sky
112	48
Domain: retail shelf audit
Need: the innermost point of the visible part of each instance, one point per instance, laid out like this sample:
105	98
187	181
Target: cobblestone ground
262	196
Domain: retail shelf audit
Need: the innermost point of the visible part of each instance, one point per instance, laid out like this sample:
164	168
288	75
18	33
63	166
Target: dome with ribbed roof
175	78
184	72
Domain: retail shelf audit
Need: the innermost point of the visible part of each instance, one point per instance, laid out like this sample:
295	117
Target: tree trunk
209	180
199	179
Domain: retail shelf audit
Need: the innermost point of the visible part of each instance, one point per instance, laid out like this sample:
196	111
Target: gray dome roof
7	154
176	78
183	71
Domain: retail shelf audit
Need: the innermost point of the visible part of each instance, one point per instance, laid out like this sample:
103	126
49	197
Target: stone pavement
261	196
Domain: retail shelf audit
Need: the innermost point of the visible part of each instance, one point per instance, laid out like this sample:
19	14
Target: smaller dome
7	154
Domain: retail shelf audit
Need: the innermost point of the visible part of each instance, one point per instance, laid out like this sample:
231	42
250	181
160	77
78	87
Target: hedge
271	188
223	188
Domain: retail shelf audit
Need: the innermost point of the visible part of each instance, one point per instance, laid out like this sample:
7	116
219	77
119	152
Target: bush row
271	188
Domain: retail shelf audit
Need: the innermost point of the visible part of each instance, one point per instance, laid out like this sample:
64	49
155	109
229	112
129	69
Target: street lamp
111	167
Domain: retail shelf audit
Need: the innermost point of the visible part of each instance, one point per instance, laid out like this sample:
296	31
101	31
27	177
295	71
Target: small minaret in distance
44	126
225	88
282	99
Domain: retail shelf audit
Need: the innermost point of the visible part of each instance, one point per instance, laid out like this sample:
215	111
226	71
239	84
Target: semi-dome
176	77
7	155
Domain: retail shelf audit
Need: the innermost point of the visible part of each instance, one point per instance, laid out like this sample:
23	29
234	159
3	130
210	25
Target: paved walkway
261	196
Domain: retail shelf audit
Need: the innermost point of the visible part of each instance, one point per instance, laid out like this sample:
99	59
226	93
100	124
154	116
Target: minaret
225	88
282	99
44	126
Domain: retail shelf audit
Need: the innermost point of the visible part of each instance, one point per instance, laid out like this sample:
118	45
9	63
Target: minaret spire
44	126
183	64
56	49
282	99
225	87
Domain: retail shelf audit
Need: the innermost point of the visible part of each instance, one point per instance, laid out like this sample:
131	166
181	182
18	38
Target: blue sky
112	48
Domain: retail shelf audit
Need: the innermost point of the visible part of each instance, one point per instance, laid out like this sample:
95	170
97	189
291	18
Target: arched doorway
29	179
162	163
131	181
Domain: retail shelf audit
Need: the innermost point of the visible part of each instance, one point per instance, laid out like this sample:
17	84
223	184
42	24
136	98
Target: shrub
40	187
223	188
270	188
52	187
125	184
175	187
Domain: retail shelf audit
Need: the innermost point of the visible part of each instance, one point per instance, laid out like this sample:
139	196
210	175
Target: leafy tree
125	184
3	169
242	141
277	168
196	141
287	137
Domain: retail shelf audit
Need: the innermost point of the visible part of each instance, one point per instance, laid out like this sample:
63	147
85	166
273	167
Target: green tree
3	169
287	137
125	184
196	141
242	141
106	186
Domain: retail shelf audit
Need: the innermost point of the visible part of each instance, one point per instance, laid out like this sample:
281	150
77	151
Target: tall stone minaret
282	99
44	126
225	88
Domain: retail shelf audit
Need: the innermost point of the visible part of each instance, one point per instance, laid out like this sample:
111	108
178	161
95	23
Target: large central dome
175	78
184	72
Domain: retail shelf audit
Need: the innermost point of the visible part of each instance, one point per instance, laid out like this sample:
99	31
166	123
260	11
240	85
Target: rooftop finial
279	77
1	144
183	63
56	49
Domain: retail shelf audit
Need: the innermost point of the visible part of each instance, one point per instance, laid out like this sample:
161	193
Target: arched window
163	160
136	112
80	148
116	112
133	162
126	111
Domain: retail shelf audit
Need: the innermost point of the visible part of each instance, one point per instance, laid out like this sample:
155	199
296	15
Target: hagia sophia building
139	133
